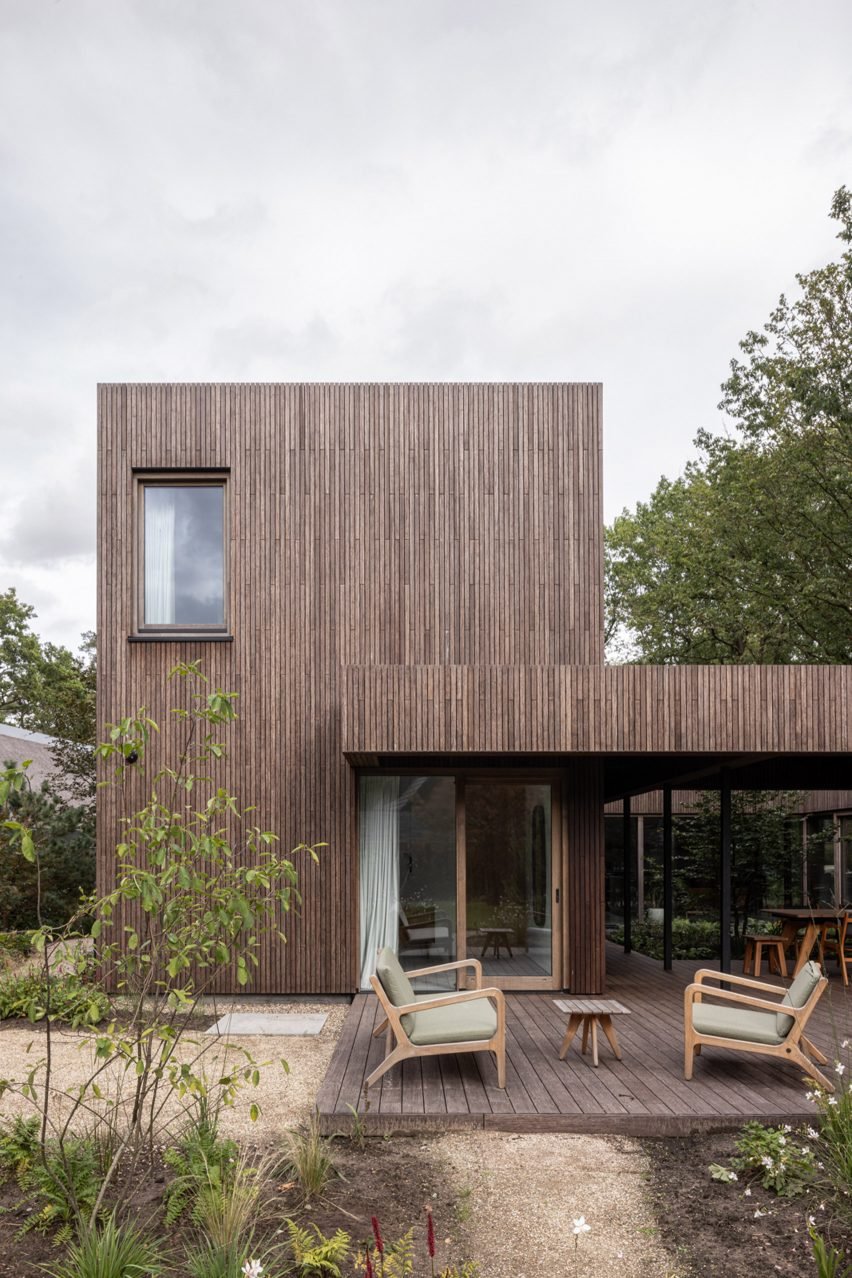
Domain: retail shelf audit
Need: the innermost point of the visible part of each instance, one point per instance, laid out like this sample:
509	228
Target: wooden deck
644	1094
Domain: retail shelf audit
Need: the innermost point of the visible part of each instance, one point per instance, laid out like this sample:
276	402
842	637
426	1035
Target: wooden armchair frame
404	1049
789	1049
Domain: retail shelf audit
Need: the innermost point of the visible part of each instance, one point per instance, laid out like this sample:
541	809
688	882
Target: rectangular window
183	554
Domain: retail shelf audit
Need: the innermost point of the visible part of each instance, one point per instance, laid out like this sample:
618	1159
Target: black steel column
628	875
668	883
725	872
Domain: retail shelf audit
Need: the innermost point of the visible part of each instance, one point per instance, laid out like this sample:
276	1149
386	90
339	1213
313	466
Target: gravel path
285	1099
517	1198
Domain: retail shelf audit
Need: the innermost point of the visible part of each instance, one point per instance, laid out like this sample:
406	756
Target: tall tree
45	687
748	556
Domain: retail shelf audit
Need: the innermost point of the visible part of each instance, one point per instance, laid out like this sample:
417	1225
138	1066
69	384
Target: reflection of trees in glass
766	854
500	843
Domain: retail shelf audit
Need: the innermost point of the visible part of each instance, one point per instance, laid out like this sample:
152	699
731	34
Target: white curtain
378	829
159	556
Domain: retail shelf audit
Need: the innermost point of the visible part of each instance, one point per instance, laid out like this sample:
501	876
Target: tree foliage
747	557
767	854
45	687
65	834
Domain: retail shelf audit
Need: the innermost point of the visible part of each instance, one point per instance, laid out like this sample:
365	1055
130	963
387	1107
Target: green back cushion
395	984
798	994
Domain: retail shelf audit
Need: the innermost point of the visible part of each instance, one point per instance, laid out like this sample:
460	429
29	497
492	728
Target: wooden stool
755	944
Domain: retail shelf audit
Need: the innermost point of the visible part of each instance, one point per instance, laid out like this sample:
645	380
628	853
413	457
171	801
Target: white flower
812	1221
732	1175
758	1213
252	1269
813	1134
839	1067
822	1206
580	1226
786	1128
747	1193
782	1140
767	1162
832	1100
845	1043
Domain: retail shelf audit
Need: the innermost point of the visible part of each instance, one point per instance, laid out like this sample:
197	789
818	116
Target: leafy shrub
774	1155
77	999
62	1187
16	945
202	1165
314	1254
832	1145
112	1251
691	939
19	1145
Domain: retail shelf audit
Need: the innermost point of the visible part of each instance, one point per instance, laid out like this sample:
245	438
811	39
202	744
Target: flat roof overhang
769	727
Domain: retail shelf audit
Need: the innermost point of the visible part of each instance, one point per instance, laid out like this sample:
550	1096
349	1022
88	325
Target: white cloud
280	190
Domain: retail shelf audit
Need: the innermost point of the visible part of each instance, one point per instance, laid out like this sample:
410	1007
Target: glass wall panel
846	856
407	833
820	861
614	843
509	877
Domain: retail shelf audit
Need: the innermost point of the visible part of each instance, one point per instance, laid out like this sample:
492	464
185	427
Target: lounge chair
436	1024
745	1022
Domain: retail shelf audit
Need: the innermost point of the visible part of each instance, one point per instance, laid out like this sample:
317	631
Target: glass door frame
552	777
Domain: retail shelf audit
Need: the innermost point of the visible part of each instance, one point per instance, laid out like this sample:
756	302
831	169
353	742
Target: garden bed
719	1230
390	1179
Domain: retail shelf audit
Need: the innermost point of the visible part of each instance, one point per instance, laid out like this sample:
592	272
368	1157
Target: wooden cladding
614	709
369	525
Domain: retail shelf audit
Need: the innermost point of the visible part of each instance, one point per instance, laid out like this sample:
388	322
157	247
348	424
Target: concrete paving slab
292	1025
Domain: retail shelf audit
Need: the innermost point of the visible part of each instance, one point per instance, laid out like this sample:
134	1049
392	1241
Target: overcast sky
453	189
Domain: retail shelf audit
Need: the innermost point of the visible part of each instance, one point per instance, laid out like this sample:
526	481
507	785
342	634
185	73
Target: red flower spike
370	1273
430	1231
377	1234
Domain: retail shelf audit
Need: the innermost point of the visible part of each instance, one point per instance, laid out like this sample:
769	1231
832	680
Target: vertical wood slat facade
371	526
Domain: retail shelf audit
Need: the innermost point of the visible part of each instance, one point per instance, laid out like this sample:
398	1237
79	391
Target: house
18	744
403	583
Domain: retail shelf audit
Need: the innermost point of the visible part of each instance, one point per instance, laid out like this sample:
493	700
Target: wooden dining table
795	918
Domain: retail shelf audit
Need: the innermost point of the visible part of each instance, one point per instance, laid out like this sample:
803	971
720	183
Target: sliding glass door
461	865
508	878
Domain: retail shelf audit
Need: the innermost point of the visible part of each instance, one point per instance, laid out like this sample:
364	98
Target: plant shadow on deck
644	1094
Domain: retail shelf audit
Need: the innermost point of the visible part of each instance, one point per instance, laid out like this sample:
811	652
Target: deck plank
643	1094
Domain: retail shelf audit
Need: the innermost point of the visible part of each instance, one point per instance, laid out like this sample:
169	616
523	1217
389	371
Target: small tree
197	887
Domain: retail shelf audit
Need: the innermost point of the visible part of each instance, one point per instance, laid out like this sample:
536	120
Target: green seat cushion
395	984
742	1023
798	994
456	1023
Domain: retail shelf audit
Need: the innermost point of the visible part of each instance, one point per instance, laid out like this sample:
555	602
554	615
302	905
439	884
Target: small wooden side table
588	1012
495	937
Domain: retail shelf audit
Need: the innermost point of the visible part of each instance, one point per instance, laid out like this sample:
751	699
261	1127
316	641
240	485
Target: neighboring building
404	585
17	744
